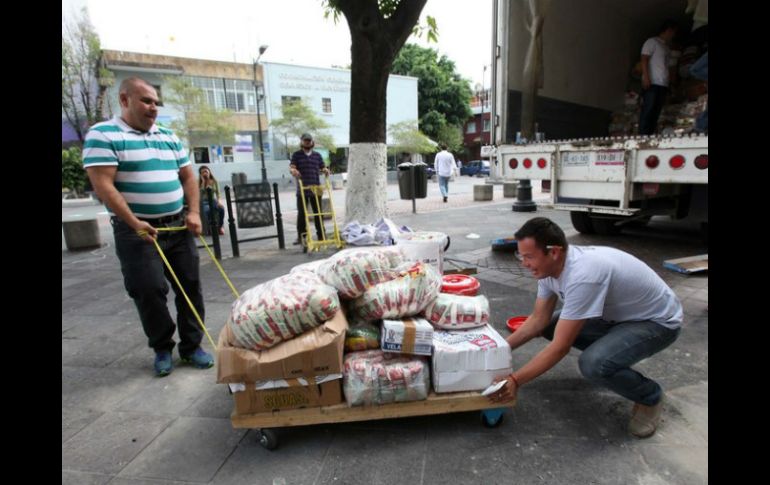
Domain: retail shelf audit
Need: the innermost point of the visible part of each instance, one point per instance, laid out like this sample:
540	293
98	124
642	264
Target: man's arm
535	323
102	179
191	193
646	72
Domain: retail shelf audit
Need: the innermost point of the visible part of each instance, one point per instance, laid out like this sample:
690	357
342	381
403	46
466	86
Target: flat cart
445	403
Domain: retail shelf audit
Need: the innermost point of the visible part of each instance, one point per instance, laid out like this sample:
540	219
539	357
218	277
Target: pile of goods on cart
367	326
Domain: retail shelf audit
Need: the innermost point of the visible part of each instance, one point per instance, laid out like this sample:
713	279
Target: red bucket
459	284
516	322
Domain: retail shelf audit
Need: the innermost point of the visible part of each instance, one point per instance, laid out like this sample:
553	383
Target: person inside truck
655	76
616	310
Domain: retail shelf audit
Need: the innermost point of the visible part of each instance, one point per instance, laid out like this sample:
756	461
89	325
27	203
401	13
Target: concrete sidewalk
121	425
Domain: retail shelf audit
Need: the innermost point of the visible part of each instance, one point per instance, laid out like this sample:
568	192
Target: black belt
163	220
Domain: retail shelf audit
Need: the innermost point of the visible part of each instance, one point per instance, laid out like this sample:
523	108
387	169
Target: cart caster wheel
268	439
491	418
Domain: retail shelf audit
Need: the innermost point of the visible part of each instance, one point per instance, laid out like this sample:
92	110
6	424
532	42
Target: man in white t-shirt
655	76
616	309
445	166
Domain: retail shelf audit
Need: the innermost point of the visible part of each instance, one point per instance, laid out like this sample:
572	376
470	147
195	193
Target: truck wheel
605	226
581	221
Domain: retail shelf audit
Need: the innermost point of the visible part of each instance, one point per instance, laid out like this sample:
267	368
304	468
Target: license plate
575	159
610	157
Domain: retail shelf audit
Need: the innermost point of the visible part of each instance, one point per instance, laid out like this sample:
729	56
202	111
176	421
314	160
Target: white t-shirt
606	283
659	57
445	163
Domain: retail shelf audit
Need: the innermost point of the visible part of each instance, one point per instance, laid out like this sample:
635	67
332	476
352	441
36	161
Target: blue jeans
220	213
652	104
145	275
443	184
609	351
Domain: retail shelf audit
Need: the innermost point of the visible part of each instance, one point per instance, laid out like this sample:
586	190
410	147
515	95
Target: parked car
475	167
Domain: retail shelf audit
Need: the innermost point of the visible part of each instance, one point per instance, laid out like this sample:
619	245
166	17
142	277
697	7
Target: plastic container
516	322
460	284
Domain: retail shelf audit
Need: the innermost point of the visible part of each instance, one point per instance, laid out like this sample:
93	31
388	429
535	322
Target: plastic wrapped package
375	377
407	295
353	271
281	309
458	312
362	335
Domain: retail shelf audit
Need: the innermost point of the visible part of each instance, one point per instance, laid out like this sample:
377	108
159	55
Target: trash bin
239	178
406	171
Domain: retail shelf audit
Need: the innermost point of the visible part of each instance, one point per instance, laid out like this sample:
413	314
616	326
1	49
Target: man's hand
294	172
646	82
325	171
193	221
146	231
508	392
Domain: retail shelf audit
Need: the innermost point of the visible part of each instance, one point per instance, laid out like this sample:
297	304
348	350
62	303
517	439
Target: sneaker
163	363
296	242
445	199
200	359
645	419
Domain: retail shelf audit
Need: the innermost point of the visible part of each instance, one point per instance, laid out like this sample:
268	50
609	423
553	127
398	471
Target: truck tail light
513	163
702	162
652	161
541	162
676	162
527	163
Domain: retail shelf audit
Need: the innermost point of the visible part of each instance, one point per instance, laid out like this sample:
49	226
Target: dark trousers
301	223
145	275
219	214
610	349
652	104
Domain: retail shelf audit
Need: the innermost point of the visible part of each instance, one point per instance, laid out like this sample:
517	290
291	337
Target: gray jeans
610	349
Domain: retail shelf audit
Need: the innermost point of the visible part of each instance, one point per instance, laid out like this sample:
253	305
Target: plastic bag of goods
416	286
362	335
281	309
375	377
353	271
458	312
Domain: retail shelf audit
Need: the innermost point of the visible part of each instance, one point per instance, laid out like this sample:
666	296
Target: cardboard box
315	352
407	336
297	394
469	360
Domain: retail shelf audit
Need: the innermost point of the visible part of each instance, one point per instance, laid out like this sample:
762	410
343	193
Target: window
471	128
486	124
160	96
326	105
286	100
232	94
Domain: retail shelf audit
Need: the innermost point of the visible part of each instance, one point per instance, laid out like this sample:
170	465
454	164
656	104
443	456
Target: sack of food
416	285
353	271
375	377
457	312
362	335
281	309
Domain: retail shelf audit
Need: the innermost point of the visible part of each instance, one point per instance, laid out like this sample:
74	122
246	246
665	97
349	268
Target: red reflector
513	163
650	189
541	162
527	163
652	161
676	162
702	162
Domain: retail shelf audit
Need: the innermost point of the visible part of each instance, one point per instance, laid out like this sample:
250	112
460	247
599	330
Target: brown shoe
644	419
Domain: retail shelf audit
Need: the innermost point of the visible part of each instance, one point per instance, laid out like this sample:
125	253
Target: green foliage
453	137
408	139
387	8
73	175
84	80
444	96
297	117
197	115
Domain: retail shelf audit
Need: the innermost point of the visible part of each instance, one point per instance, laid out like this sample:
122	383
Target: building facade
233	86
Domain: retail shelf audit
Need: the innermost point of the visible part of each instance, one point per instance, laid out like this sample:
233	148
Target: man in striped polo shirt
307	164
142	173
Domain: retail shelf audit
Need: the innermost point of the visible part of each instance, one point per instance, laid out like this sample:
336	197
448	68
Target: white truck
605	182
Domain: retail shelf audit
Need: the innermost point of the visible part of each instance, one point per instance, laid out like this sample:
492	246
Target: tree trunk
375	41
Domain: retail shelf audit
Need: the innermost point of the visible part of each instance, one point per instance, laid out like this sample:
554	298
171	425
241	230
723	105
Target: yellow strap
168	265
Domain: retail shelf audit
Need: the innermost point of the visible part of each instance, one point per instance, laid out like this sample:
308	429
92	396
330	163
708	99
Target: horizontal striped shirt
309	166
148	165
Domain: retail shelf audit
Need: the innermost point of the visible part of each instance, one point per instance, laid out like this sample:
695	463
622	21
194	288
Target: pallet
454	402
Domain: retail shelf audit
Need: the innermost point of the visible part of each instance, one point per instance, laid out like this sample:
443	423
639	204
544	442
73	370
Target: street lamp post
262	50
482	95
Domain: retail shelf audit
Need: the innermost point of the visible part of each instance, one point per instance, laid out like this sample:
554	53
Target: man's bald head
130	84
